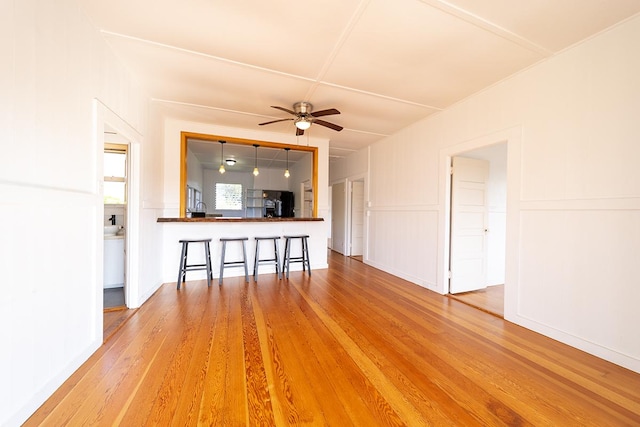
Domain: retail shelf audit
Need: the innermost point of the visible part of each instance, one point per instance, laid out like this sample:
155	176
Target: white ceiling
384	64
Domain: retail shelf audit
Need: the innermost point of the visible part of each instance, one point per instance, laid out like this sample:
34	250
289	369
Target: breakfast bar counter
215	228
236	219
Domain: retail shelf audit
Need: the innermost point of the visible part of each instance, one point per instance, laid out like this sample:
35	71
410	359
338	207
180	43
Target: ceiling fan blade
327	112
286	110
274	121
299	132
328	125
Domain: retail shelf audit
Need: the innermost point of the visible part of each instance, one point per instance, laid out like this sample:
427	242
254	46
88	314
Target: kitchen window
228	196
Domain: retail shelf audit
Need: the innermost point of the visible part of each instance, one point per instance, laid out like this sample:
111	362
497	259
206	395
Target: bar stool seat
275	260
304	258
225	264
184	267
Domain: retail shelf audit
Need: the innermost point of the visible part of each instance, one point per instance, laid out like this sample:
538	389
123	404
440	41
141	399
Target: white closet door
468	225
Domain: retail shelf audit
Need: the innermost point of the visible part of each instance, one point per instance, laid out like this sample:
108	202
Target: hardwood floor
490	299
113	319
349	346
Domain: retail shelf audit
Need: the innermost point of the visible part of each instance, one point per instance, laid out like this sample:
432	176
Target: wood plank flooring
489	299
113	319
350	345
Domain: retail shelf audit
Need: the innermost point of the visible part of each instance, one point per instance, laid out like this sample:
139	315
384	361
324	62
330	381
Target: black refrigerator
278	204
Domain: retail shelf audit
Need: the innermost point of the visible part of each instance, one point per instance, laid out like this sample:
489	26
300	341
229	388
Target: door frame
107	119
512	137
347	213
342	216
118	142
350	182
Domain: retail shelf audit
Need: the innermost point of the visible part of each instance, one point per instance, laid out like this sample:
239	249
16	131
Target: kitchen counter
236	219
113	236
214	228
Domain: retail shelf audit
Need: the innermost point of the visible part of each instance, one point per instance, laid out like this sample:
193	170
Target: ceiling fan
304	117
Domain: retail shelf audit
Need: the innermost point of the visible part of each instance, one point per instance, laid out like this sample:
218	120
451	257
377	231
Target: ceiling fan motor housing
302	108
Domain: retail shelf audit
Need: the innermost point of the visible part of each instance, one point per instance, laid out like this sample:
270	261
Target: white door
338	217
357	217
468	258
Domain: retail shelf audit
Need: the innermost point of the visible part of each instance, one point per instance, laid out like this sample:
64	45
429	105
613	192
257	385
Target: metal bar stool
184	267
304	258
224	264
275	260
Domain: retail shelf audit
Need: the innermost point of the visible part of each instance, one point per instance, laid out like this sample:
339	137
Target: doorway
339	217
348	217
356	229
477	236
115	220
110	128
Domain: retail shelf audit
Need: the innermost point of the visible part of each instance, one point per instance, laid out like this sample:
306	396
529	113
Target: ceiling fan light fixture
302	123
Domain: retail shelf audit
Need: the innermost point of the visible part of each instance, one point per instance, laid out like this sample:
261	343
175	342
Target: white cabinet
113	262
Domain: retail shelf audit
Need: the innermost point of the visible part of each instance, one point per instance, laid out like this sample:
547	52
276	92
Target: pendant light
256	172
222	169
286	171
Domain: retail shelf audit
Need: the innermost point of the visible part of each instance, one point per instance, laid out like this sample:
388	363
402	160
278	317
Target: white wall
195	173
573	233
356	164
151	203
51	216
271	179
404	206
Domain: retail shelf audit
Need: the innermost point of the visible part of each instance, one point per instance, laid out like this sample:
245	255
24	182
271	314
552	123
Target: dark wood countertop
236	219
